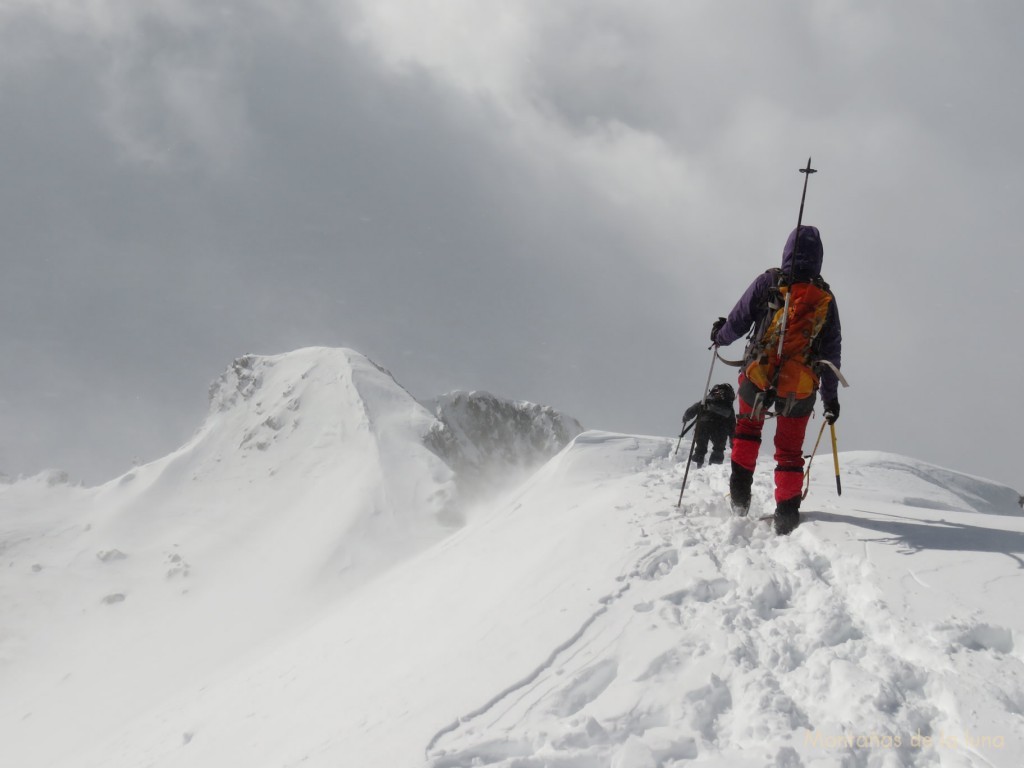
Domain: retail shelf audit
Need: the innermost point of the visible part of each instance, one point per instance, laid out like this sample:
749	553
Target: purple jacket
753	304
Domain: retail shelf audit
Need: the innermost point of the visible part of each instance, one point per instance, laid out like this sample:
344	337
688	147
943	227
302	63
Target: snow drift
294	587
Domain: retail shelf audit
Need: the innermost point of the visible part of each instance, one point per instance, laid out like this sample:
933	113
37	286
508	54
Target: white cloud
169	71
165	112
475	46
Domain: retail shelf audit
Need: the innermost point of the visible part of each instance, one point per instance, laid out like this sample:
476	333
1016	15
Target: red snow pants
789	449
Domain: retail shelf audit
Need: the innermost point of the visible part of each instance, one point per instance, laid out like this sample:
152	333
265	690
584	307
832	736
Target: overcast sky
551	201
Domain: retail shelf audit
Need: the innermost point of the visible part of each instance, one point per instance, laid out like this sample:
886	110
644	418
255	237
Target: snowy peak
332	394
323	438
492	442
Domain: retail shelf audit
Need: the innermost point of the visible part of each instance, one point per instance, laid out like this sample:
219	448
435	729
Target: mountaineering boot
787	516
739	489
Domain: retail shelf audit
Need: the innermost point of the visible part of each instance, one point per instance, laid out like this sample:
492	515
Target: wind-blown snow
288	590
494	443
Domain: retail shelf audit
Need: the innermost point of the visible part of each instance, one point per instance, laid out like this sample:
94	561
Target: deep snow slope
586	621
581	620
885	631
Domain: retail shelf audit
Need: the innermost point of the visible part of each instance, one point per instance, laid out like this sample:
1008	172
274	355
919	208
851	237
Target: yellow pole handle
835	459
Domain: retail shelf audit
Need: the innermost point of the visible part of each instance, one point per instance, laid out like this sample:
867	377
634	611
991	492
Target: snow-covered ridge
876	635
956	490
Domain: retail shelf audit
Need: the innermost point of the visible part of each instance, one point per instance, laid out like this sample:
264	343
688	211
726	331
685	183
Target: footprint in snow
584	688
658	563
985	637
703	591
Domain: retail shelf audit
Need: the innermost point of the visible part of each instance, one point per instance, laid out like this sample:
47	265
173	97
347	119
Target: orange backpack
792	374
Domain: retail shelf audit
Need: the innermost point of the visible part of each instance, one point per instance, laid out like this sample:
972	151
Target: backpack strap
772	303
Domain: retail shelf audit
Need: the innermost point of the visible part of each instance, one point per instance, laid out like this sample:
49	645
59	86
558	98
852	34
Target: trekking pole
807	474
686	428
703	402
796	247
835	460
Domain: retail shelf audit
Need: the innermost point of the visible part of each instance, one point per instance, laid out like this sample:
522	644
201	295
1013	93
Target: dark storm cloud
552	205
327	202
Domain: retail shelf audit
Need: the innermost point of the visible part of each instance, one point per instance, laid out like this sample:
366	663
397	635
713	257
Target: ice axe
807	473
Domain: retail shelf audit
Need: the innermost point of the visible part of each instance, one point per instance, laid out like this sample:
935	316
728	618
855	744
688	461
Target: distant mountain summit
492	442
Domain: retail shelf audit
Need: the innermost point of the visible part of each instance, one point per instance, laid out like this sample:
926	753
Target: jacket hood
804	260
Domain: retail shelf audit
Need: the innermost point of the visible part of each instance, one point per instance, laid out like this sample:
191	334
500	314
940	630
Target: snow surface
297	586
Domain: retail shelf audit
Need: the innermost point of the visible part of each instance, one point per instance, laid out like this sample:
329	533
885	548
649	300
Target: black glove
831	411
716	328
